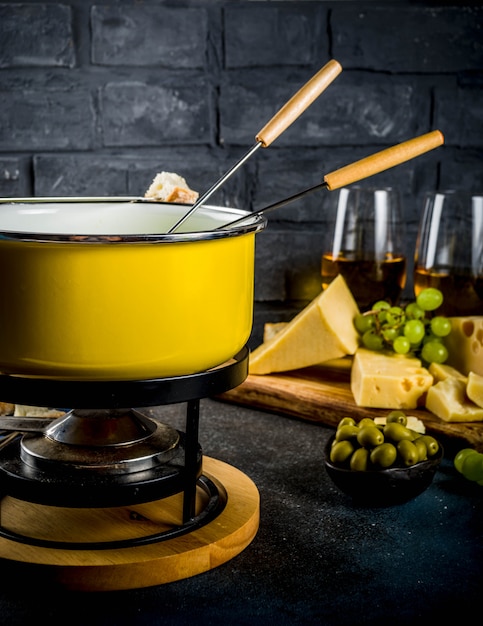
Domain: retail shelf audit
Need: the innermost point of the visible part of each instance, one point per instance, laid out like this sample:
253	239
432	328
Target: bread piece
6	408
171	187
22	410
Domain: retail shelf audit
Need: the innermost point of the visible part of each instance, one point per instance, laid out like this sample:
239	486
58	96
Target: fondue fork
8	438
279	122
25	424
368	166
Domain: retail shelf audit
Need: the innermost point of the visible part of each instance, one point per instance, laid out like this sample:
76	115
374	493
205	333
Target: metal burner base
60	484
158	444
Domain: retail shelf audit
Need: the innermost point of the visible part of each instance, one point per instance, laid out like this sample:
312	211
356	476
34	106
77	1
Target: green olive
396	432
341	451
397	416
421	448
359	460
408	452
346	421
370	436
432	446
384	455
366	421
346	432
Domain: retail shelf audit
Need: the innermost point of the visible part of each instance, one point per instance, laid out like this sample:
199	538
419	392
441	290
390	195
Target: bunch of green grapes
414	328
469	463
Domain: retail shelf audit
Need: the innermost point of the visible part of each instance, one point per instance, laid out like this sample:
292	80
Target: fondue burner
108	498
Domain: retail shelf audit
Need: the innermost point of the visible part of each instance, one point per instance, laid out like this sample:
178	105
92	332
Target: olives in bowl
380	464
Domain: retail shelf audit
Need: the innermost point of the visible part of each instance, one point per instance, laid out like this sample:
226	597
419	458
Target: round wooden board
133	567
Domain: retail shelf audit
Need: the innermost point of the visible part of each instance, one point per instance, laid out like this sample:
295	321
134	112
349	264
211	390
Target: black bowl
384	487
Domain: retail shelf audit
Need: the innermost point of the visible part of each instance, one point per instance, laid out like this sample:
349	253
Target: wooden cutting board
322	394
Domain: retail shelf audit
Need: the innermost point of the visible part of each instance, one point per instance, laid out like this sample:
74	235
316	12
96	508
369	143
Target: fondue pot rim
257	224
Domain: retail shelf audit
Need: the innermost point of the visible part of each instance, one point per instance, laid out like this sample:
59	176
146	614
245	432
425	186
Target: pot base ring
114	394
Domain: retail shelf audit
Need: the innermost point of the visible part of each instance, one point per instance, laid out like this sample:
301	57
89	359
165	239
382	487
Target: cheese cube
441	371
322	331
448	400
474	388
465	344
388	381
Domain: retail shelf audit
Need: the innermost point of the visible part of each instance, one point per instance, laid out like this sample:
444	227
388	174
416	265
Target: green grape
401	345
372	340
461	456
430	337
414	312
382	316
429	299
414	331
434	352
440	326
363	323
380	305
410	329
472	467
389	333
395	315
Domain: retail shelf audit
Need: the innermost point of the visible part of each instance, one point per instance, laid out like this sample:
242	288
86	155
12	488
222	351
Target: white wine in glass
364	244
449	251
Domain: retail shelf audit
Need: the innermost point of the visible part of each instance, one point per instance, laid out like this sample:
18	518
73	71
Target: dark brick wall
96	97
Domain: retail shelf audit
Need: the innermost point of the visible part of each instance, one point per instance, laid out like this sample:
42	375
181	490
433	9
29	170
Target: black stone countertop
316	559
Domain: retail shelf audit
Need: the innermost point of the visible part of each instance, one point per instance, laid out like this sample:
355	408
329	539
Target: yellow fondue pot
93	288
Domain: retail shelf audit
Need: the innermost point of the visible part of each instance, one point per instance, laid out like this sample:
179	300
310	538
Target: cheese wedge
342	364
448	400
465	344
388	381
270	329
324	330
474	388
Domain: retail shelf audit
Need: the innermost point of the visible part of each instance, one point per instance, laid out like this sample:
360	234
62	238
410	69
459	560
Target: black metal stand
112	394
77	488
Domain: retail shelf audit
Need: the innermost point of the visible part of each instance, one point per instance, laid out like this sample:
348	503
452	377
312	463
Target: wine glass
449	251
364	243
